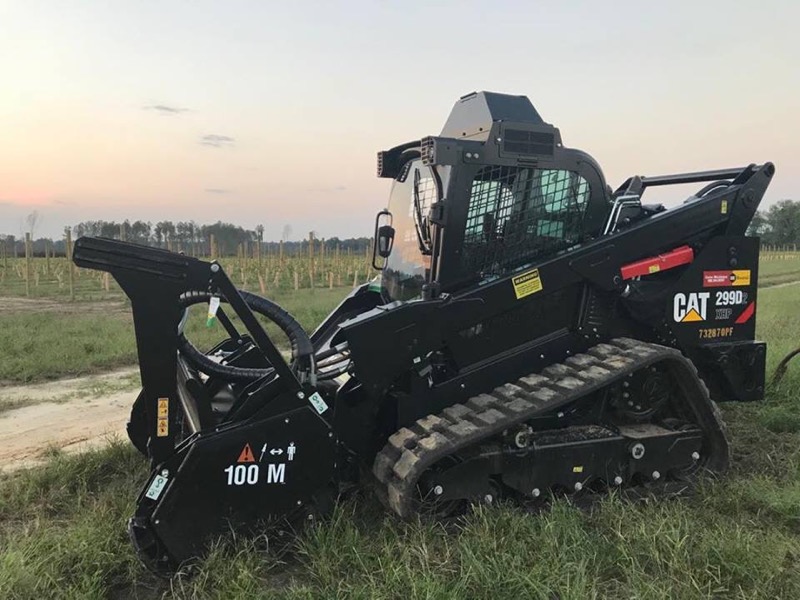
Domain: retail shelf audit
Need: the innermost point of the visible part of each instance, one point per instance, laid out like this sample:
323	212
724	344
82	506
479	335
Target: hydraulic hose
301	345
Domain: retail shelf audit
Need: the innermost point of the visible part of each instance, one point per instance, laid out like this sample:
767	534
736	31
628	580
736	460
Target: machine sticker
690	307
156	487
318	403
726	299
247	471
243	474
246	455
578	469
527	284
715	332
726	278
213	307
276	472
722	314
747	313
723	207
162	425
730	298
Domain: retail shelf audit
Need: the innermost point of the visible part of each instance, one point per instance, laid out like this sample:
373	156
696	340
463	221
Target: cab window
518	214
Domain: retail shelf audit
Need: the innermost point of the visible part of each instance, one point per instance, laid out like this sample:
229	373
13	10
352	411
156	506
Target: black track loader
531	333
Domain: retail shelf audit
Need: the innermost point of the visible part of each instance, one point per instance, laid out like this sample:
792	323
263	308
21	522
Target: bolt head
521	439
637	451
617	480
695	456
165	473
578	486
438	490
301	395
214	268
536	493
488	498
656	475
299	502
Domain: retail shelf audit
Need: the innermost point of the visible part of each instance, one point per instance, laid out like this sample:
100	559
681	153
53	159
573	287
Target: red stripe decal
746	314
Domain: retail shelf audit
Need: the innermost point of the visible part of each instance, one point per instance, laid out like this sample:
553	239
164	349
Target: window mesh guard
517	214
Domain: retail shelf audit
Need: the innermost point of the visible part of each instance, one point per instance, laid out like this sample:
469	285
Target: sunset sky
271	113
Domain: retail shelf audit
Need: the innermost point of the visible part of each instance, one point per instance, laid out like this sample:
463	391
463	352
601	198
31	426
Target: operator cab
494	193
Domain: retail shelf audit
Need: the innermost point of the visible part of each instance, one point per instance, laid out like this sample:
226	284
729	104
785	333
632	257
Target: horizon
254	114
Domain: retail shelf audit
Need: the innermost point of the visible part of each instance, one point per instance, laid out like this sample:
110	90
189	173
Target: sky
267	112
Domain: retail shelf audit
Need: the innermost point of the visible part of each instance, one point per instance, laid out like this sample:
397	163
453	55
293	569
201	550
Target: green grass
62	531
48	345
78	339
779	270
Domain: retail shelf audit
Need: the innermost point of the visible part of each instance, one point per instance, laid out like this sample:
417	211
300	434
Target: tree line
186	236
779	225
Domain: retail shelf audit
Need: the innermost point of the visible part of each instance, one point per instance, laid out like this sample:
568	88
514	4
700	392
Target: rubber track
412	450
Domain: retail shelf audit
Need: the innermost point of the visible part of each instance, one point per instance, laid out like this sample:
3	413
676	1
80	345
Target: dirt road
69	414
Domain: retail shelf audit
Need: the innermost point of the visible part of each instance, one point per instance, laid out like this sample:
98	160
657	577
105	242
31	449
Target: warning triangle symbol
692	315
247	455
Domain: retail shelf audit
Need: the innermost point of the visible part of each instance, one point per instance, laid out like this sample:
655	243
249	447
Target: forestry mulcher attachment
531	333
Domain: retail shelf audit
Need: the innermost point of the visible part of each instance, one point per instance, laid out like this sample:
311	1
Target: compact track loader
531	333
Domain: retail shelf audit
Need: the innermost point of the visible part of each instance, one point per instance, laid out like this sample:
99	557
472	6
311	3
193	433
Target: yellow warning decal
723	207
741	277
527	284
653	269
578	469
162	426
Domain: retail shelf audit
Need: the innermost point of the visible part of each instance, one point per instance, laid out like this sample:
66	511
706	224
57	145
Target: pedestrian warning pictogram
247	455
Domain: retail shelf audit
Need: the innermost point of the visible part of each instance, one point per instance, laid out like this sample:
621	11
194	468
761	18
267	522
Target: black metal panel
236	477
531	143
474	114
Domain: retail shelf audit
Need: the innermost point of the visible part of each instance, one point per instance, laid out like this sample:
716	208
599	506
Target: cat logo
690	307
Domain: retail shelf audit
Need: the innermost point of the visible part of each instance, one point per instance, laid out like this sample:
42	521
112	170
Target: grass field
62	526
775	269
45	340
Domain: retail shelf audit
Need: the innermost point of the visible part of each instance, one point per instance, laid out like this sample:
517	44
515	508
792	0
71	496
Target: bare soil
69	414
